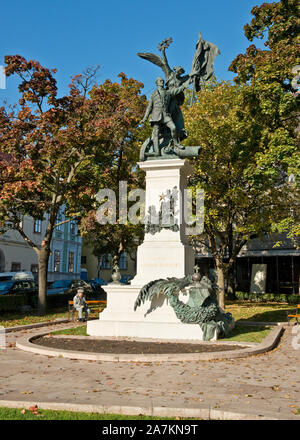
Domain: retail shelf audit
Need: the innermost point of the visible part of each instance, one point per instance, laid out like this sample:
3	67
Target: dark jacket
159	105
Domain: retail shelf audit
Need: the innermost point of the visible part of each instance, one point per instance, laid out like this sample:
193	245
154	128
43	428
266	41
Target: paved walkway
267	385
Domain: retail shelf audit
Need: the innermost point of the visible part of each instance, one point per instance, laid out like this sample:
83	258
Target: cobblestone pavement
266	384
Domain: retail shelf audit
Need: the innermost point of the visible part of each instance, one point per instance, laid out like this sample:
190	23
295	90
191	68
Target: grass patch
258	312
78	331
240	310
239	333
12	319
248	333
45	414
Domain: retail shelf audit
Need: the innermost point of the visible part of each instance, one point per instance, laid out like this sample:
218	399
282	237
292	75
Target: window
105	262
15	267
123	261
83	259
56	261
37	226
59	219
73	228
26	285
34	268
71	261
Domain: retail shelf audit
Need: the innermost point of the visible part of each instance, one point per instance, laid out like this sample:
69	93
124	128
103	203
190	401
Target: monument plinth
164	253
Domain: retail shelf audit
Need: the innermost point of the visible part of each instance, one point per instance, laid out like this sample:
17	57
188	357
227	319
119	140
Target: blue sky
72	35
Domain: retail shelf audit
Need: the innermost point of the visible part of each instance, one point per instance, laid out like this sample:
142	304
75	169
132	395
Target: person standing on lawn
80	305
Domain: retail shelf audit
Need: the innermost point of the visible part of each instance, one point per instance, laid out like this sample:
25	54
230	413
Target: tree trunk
231	283
221	286
43	258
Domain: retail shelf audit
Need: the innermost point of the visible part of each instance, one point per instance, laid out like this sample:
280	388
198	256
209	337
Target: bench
91	304
296	314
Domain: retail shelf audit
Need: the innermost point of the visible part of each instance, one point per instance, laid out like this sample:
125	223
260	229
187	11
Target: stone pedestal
120	320
163	254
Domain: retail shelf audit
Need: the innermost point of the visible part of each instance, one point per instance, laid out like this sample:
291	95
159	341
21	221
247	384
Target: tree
239	200
270	74
249	141
55	150
120	236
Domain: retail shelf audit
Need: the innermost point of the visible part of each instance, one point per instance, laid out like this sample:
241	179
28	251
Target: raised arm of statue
167	68
176	90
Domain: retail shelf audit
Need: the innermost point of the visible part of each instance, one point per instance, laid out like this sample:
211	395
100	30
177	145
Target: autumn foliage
56	151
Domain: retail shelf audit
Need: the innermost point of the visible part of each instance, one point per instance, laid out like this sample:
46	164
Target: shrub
12	302
269	297
59	300
294	299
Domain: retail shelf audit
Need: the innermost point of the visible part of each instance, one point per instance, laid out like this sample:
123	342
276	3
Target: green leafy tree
120	236
270	73
240	200
249	140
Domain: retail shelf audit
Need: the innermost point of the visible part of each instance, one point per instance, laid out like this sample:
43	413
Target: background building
282	263
64	261
101	267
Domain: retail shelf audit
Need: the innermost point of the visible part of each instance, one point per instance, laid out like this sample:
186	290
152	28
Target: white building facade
65	258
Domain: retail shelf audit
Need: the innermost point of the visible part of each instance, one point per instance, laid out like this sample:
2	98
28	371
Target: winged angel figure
165	101
202	307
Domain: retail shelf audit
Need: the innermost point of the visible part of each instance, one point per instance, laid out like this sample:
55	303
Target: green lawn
79	331
11	319
241	310
258	312
247	333
239	333
45	414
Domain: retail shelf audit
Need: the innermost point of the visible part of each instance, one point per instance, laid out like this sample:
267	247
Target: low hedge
15	302
58	300
269	297
10	303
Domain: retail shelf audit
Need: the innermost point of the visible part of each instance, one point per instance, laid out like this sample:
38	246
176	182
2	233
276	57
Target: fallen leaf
275	387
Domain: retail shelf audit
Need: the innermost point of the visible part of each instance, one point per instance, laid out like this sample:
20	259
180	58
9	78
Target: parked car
49	284
69	286
18	287
125	279
99	281
21	275
98	290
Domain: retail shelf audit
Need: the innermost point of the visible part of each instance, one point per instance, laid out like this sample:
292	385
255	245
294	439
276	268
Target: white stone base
120	320
164	254
161	257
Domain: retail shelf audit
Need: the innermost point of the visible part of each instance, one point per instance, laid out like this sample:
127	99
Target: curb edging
36	325
25	343
201	413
